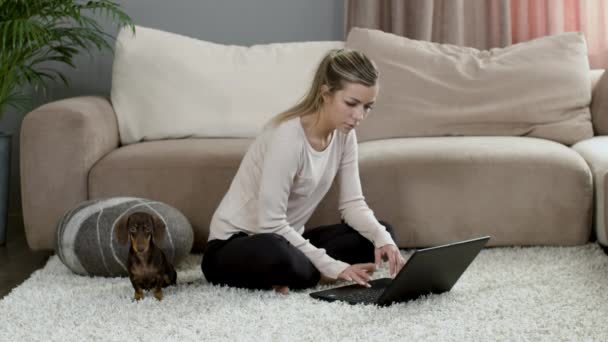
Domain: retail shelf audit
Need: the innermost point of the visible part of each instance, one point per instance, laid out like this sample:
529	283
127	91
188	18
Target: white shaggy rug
514	294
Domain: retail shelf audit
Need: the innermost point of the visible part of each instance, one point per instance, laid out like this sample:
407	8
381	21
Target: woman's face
346	108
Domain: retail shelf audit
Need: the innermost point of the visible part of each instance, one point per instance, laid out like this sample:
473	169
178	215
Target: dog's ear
159	228
122	233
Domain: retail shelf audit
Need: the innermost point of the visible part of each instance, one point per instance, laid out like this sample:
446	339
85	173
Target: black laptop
429	270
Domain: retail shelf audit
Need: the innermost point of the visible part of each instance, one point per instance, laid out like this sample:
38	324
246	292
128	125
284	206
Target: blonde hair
337	68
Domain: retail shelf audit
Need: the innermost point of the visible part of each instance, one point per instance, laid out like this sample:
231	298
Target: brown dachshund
147	264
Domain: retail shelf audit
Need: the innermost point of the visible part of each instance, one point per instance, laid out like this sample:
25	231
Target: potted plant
34	36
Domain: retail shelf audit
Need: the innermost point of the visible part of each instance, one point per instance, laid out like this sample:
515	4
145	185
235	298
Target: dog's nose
140	246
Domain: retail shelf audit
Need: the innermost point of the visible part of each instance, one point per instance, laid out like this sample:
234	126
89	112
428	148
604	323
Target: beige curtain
482	24
535	18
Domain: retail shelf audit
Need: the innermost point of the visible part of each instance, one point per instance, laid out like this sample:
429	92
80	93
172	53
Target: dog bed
86	242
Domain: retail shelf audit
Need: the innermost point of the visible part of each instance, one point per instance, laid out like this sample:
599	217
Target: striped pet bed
86	241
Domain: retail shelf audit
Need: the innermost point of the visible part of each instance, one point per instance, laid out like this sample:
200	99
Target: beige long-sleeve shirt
280	182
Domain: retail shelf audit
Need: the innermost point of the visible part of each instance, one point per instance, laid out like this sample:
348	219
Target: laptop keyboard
365	295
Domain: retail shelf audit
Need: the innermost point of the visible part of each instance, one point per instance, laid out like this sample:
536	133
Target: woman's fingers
392	261
359	273
345	276
369	267
377	257
361	278
401	262
362	273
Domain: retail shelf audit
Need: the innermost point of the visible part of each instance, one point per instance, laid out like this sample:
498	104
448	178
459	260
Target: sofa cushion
191	175
599	104
166	85
86	239
538	88
594	152
518	190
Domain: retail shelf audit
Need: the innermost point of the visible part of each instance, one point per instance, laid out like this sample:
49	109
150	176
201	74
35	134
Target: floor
17	261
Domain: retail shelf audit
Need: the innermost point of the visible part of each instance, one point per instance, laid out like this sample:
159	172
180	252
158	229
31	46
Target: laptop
429	270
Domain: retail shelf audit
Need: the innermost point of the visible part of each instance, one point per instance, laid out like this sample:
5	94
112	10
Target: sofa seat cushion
433	190
518	190
594	152
191	175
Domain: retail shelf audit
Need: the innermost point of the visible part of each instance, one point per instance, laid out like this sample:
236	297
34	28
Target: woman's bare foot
281	289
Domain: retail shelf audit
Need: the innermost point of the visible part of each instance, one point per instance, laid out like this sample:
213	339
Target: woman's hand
391	254
359	273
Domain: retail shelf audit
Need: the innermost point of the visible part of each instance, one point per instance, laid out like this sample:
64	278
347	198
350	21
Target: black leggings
262	260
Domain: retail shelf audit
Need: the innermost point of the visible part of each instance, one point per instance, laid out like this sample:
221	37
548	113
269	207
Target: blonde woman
257	237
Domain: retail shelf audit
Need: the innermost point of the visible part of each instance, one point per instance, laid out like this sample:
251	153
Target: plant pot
5	169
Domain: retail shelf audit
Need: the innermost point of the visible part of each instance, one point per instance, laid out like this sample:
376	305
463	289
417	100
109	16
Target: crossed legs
265	261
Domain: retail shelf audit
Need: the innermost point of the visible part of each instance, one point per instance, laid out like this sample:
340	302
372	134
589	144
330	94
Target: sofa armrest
599	102
60	142
594	152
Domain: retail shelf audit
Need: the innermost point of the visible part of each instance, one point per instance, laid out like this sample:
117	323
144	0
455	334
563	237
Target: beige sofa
520	190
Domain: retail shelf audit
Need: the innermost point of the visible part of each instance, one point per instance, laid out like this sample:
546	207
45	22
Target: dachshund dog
148	266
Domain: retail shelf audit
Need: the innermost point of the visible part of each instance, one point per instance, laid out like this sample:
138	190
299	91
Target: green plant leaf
37	34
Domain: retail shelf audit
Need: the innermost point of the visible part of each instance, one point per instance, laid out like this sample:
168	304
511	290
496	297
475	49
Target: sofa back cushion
166	85
539	88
